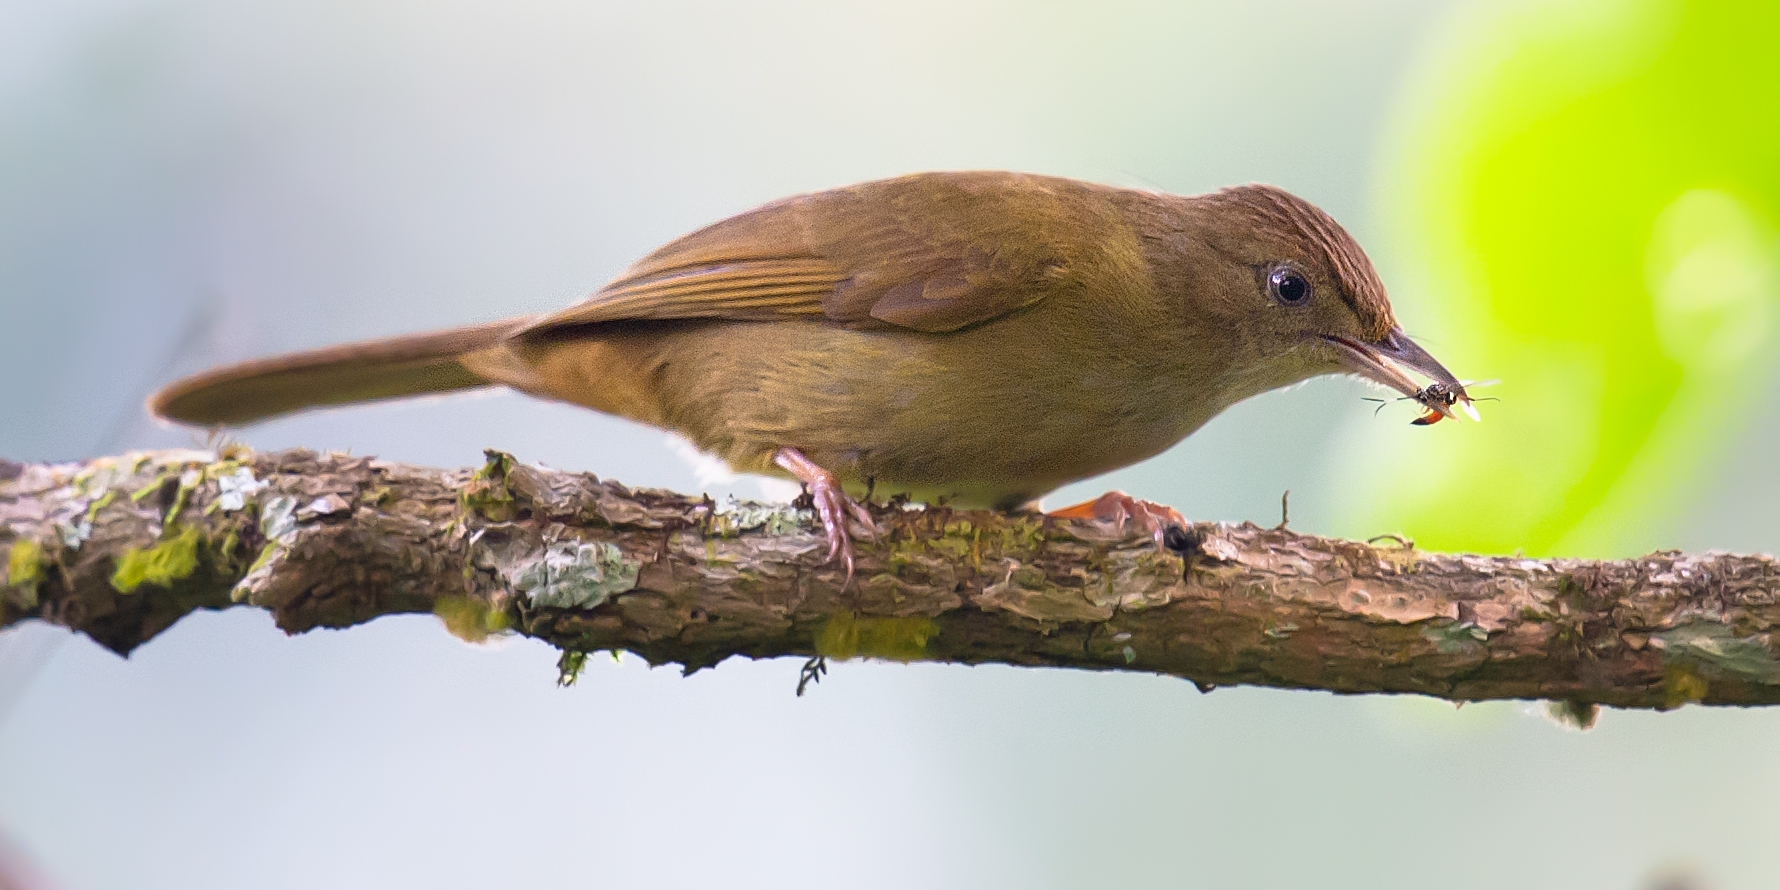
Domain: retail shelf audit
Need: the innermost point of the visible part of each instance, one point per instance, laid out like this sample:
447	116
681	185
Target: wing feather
932	252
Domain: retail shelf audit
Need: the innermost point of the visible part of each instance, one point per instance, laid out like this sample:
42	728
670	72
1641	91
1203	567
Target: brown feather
1271	207
337	375
932	252
981	337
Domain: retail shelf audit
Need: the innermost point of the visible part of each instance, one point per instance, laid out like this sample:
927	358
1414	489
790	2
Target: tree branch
121	548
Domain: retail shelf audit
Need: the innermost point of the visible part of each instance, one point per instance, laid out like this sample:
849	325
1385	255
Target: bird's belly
907	413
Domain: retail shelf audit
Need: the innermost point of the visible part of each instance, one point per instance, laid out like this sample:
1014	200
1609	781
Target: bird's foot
833	505
1120	508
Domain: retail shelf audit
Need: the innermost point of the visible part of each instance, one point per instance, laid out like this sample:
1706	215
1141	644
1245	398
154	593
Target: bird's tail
355	372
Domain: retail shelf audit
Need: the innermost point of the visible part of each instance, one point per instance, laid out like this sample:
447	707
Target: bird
977	338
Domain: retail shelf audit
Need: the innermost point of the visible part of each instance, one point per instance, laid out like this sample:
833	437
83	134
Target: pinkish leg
1119	508
832	505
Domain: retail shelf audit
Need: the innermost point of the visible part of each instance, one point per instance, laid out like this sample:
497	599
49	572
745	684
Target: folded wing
933	252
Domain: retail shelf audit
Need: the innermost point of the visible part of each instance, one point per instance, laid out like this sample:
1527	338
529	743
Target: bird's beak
1385	360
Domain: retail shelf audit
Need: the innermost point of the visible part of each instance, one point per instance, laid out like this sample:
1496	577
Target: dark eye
1288	286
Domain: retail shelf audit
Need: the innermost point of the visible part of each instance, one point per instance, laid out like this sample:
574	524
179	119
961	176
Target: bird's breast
984	416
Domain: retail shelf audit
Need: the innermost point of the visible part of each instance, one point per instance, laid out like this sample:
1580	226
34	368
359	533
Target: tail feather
355	372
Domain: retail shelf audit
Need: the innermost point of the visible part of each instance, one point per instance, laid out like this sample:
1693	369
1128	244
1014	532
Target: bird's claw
833	507
1119	508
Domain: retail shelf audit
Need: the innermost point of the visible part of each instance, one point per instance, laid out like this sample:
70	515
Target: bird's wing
932	252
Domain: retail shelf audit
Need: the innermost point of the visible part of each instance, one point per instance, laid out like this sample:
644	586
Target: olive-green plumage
985	337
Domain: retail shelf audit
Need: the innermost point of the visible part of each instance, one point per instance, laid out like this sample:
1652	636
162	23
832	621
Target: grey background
187	182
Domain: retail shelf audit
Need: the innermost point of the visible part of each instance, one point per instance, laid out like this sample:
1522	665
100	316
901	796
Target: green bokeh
1583	202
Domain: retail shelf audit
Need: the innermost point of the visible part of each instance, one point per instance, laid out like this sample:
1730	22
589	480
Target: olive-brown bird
982	337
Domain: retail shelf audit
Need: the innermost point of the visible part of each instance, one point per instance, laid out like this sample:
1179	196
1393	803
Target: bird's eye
1288	286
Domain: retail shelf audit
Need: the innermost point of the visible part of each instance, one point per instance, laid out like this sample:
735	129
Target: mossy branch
121	548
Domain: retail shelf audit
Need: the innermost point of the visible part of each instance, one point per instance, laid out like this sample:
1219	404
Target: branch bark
121	548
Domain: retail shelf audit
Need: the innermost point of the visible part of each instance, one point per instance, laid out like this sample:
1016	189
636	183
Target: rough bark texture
121	548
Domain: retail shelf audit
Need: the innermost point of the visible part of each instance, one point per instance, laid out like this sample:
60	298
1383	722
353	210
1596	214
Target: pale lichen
1455	637
278	518
1720	650
234	486
574	575
278	525
733	517
76	533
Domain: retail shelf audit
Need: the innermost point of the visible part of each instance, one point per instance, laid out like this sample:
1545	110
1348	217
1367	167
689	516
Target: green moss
222	466
160	565
23	565
846	635
152	487
225	554
1682	686
189	480
100	503
1574	714
1019	534
951	547
187	484
265	556
244	587
24	572
468	619
570	666
487	494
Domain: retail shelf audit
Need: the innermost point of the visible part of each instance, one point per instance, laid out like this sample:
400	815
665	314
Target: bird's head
1309	302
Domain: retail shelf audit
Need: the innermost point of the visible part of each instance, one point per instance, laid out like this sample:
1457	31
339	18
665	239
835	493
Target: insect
1436	398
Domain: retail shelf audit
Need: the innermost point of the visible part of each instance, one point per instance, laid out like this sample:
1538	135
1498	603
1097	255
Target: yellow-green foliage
1582	202
846	635
160	565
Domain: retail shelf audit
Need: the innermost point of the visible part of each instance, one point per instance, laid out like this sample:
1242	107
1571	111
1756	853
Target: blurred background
1578	198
